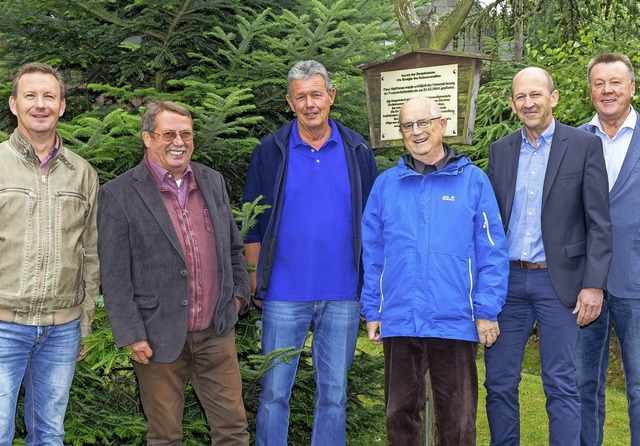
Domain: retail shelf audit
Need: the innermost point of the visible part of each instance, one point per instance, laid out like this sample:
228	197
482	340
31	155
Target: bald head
533	73
422	127
429	106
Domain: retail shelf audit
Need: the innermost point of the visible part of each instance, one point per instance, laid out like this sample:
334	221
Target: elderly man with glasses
436	269
174	279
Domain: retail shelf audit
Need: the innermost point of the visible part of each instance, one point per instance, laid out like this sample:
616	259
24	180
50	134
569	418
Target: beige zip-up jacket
49	270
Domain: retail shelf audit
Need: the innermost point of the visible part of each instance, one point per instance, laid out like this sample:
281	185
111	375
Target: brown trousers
211	363
454	379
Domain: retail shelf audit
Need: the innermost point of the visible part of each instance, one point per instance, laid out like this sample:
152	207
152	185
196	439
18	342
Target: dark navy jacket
267	175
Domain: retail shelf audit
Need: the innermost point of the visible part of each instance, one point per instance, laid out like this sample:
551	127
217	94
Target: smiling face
311	102
37	104
174	156
424	144
533	99
611	88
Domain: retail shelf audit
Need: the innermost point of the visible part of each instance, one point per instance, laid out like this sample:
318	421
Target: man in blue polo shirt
316	175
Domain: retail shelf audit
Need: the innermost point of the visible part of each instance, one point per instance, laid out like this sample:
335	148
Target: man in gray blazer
174	279
612	86
550	183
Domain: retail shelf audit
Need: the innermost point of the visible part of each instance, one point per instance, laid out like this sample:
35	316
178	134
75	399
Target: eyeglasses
406	127
170	135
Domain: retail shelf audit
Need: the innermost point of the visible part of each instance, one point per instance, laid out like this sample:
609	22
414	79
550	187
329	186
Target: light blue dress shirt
524	235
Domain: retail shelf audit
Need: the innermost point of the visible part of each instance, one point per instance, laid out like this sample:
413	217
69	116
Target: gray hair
611	58
306	69
154	108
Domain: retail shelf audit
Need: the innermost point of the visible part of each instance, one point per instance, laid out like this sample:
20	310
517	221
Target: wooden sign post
451	79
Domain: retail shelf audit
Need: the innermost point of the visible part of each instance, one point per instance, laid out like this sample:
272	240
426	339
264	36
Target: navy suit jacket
576	225
144	272
624	274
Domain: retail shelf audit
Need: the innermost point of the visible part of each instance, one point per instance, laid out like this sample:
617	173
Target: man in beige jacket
48	259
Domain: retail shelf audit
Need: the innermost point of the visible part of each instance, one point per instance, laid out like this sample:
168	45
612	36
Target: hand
488	331
140	352
373	330
242	306
81	353
588	306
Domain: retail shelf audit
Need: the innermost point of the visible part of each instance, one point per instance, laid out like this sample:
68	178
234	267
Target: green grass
533	418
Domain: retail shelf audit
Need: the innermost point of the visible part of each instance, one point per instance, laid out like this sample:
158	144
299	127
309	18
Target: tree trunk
518	35
427	33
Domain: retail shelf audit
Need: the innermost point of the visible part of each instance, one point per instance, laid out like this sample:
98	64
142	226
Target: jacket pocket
71	213
207	221
634	265
576	249
145	302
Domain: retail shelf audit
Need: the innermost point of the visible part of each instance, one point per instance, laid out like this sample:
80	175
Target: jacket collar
24	149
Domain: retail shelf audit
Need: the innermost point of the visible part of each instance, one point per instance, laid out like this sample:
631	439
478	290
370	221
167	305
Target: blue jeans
593	360
531	298
335	332
45	359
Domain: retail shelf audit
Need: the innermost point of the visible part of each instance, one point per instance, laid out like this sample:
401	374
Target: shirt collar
163	175
296	141
52	153
629	122
547	135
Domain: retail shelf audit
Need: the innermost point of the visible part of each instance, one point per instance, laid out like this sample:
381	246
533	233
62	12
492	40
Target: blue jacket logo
448	198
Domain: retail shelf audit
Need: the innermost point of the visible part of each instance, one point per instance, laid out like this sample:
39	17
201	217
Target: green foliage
104	406
567	64
246	216
226	60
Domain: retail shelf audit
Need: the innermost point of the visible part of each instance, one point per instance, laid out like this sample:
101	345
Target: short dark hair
611	58
38	67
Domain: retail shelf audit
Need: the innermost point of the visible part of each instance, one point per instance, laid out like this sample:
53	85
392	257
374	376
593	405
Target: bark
428	33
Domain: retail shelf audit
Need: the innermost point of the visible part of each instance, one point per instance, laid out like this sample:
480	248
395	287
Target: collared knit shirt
192	223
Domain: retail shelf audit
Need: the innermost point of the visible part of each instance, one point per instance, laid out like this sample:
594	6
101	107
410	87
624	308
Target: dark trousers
531	298
211	363
454	380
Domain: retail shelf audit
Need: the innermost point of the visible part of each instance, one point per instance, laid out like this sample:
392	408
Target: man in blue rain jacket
436	269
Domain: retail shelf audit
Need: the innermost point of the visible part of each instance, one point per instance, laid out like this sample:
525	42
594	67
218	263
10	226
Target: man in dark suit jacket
174	279
551	185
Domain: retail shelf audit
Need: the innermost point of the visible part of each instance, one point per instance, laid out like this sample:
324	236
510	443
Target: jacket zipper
486	226
384	267
473	316
44	246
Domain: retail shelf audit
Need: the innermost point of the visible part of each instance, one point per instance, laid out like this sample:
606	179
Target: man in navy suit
612	86
550	183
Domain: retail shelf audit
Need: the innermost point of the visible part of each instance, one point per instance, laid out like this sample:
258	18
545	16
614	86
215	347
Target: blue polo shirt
314	254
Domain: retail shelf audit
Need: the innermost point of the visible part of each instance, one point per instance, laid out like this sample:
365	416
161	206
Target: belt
528	265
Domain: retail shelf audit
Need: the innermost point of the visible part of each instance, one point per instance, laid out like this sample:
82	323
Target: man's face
311	102
38	104
532	101
611	90
174	155
424	144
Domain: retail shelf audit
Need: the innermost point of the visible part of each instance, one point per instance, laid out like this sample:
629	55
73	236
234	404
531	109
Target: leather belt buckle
529	265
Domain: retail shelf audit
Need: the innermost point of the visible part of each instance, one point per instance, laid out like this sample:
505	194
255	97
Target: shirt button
317	161
183	272
185	302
